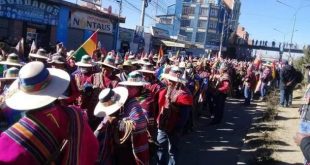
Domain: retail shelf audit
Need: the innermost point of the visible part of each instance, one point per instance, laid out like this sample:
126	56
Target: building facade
202	22
50	21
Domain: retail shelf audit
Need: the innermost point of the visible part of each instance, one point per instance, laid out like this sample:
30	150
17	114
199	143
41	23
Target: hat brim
102	111
22	101
142	63
130	83
146	71
56	62
172	78
38	56
84	65
10	63
8	78
107	65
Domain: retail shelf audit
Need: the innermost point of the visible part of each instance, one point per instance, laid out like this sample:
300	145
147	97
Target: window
189	36
187	10
212	24
202	23
165	21
211	37
214	12
203	11
182	32
186	35
200	37
185	23
200	1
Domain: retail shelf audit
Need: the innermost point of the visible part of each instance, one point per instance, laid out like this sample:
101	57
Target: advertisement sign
95	2
90	22
126	34
160	33
138	35
30	10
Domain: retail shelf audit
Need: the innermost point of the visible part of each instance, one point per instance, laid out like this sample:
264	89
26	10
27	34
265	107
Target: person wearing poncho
175	102
48	133
123	133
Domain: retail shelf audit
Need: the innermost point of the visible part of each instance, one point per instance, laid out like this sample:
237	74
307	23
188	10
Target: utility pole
144	5
120	2
293	31
222	34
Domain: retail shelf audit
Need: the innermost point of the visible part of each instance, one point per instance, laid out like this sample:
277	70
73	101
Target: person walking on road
287	78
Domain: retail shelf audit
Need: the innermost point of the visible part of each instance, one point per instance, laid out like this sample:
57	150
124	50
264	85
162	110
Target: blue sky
259	17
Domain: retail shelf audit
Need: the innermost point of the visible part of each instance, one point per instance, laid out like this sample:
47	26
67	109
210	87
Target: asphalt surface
218	144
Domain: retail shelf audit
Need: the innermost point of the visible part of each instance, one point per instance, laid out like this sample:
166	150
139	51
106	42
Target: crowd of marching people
113	109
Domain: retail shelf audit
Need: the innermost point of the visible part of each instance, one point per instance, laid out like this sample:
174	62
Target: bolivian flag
88	47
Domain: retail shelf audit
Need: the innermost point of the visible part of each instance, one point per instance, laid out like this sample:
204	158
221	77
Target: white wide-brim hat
146	71
130	83
8	78
20	100
86	65
10	63
173	78
102	110
38	56
108	65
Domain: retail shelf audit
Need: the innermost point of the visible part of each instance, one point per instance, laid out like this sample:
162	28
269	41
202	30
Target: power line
163	2
136	8
157	6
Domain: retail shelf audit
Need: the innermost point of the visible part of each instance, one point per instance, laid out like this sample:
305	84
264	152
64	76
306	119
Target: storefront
31	19
50	21
125	40
161	37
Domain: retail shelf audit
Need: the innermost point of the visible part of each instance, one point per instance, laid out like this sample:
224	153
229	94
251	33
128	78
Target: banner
30	10
160	33
139	35
90	22
125	34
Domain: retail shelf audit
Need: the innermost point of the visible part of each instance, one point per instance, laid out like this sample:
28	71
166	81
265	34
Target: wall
229	3
106	41
75	38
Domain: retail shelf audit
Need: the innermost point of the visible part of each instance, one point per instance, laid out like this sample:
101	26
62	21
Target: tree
302	61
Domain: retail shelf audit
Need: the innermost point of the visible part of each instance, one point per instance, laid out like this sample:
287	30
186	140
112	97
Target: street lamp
294	24
284	35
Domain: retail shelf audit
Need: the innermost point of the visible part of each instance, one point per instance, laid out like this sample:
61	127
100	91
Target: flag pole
81	46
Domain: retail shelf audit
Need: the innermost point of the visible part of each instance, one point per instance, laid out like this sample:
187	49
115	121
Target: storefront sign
30	10
139	35
90	22
95	2
160	33
125	34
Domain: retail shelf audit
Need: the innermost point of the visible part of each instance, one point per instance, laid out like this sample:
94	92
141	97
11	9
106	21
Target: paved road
219	144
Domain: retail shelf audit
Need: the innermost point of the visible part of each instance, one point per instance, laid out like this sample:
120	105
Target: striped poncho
133	112
139	139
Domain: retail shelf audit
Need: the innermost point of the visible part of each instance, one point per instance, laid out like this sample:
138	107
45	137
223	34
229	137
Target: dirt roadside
287	123
271	142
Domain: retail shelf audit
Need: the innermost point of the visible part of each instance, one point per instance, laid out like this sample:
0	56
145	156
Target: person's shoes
246	104
214	123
